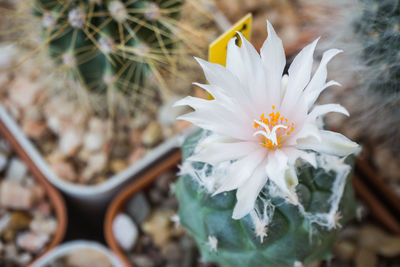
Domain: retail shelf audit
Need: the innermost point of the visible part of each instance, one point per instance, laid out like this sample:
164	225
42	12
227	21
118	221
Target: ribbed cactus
377	30
277	234
111	43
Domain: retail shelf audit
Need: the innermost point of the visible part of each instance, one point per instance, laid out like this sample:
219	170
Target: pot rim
66	248
172	159
86	191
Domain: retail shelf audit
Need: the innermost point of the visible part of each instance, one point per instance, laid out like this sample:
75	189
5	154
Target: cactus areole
110	43
262	184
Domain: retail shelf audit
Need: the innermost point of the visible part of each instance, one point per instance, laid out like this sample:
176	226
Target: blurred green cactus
377	30
292	234
116	44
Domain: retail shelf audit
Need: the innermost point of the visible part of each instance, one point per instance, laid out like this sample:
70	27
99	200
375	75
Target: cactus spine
111	44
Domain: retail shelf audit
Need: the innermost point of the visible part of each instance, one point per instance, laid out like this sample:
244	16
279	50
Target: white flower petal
234	61
331	143
240	171
247	193
214	138
294	154
216	153
216	92
276	167
283	175
299	76
245	63
320	110
274	61
194	102
317	82
216	116
291	181
219	124
308	130
230	85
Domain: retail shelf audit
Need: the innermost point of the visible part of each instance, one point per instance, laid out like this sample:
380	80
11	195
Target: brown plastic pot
143	182
54	196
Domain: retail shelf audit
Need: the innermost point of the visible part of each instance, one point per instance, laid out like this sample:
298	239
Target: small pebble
15	196
23	92
390	247
33	128
172	252
152	135
158	226
43	225
19	220
125	231
371	237
118	165
138	208
142	260
8	235
94	141
64	170
17	170
32	242
345	250
54	123
24	258
69	142
366	257
44	208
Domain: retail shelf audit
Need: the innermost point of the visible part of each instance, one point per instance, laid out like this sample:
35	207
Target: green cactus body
111	43
291	237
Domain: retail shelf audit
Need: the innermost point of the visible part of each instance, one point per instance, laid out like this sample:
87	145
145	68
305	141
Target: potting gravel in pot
29	222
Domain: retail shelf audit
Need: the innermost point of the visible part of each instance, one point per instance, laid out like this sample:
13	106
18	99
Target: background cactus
112	44
293	234
377	30
368	32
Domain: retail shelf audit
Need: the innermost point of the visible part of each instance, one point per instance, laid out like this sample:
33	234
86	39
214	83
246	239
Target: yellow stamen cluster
274	119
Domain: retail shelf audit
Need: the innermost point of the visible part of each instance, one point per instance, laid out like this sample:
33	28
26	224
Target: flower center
273	129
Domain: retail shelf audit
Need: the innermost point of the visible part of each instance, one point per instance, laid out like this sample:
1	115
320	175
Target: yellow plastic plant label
217	49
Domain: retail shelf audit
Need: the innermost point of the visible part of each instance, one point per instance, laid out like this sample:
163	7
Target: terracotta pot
54	196
119	202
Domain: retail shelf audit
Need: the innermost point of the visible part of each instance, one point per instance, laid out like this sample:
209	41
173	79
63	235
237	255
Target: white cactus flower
263	121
